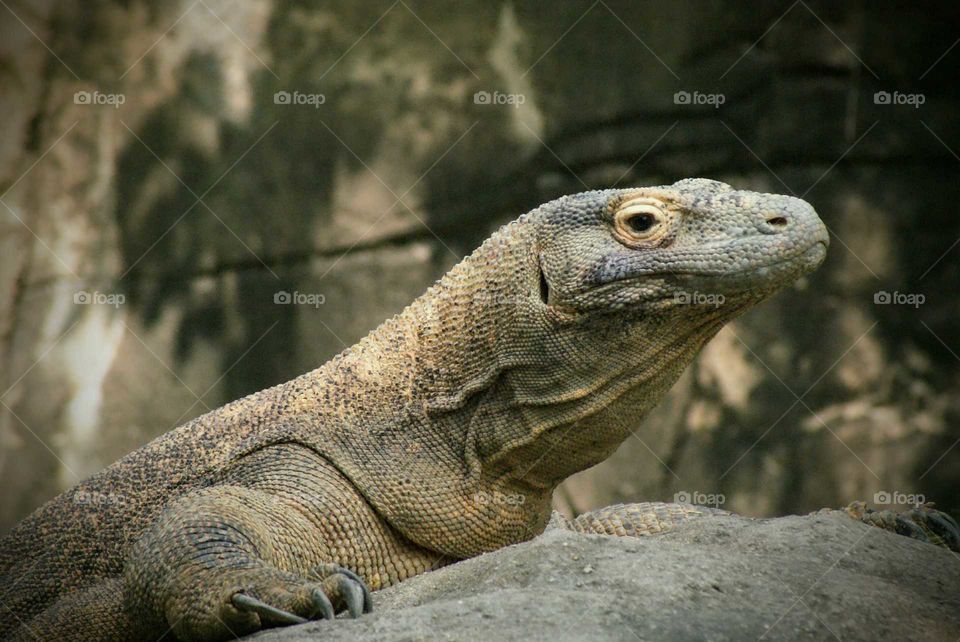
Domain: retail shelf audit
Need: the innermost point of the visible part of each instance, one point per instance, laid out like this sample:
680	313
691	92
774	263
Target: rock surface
816	577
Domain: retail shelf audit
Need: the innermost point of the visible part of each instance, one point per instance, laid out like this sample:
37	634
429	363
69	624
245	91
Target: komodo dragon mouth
804	260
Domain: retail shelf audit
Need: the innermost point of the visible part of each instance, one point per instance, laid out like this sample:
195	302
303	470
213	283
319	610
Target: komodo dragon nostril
777	221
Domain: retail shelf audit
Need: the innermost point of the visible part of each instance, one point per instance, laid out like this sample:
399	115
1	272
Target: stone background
200	197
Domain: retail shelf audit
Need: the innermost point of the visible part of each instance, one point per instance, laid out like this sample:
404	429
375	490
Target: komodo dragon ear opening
544	286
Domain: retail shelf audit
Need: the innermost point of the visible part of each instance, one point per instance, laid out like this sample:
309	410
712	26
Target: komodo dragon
439	436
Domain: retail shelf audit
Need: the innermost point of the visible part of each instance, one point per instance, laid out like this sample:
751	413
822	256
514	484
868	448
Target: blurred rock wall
204	198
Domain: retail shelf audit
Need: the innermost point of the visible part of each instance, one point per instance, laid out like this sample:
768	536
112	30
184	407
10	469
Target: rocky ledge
816	577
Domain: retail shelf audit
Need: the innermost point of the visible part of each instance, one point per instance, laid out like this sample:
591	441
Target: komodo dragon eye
640	219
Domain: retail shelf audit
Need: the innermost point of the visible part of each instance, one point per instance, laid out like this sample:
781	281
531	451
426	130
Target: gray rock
821	576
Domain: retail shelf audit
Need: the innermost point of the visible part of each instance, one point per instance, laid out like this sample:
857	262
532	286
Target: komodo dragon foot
238	601
212	567
308	602
923	523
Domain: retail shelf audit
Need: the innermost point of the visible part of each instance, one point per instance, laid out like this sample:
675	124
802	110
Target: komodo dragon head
539	353
683	248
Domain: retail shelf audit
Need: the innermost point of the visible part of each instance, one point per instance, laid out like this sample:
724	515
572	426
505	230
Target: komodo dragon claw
923	523
350	586
244	602
354	590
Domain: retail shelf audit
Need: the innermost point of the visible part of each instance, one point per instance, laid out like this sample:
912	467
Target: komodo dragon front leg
282	538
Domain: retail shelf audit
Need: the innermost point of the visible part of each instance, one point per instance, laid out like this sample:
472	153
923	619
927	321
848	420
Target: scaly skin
439	436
